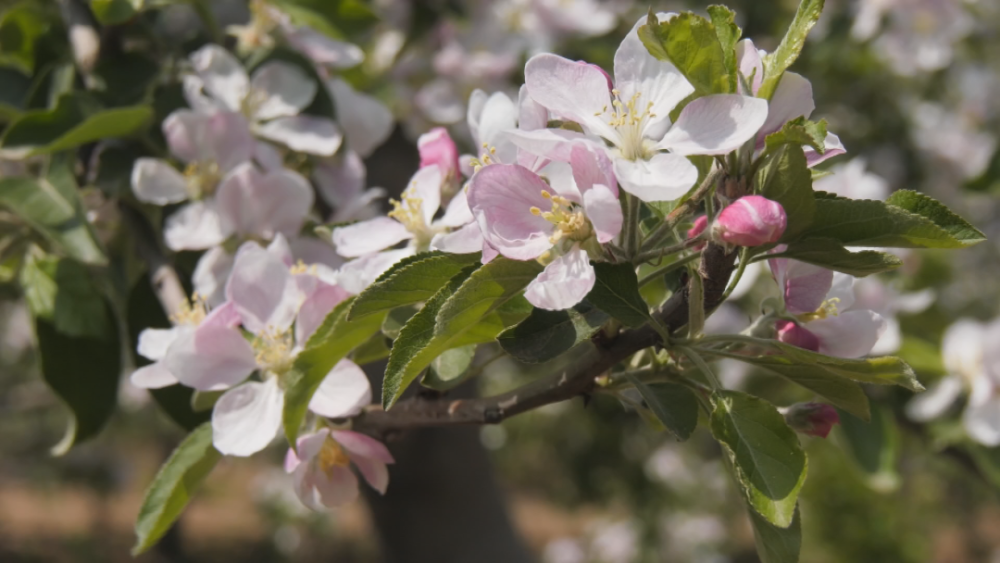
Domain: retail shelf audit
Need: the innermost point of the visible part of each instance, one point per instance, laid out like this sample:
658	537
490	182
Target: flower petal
343	392
153	376
358	274
153	342
501	197
369	236
604	212
563	283
285	90
210	358
457	213
851	334
155	181
792	98
375	472
934	402
322	49
715	124
832	147
570	90
751	66
530	114
360	445
304	133
962	348
664	177
466	240
315	308
253	204
196	226
337	486
222	74
366	121
803	286
262	290
425	187
591	165
219	137
246	418
211	273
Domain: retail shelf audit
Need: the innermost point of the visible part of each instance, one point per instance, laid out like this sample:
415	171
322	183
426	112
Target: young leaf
173	487
774	544
934	211
448	369
545	335
830	254
770	464
724	21
331	342
485	291
690	42
799	131
786	179
674	405
777	62
411	280
616	292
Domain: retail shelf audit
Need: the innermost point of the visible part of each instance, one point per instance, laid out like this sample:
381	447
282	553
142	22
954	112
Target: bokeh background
910	86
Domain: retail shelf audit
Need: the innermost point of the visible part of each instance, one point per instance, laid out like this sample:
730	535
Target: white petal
322	298
715	124
792	98
222	74
499	114
210	358
358	274
344	392
530	114
457	213
962	348
196	226
751	66
286	90
366	122
851	334
466	240
425	186
369	236
563	283
604	211
663	177
982	415
935	401
246	418
571	90
155	181
153	376
262	289
322	49
304	133
341	180
153	342
211	273
255	204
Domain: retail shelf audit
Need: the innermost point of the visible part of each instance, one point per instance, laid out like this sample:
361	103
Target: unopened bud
700	224
814	419
796	335
437	149
750	221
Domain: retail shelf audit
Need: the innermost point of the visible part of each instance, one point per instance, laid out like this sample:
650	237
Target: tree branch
162	275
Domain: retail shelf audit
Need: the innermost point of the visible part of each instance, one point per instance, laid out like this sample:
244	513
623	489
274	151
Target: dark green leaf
409	281
786	179
791	45
799	131
774	544
689	42
674	405
113	12
830	254
545	335
873	445
61	291
173	487
616	292
20	28
770	464
724	21
935	212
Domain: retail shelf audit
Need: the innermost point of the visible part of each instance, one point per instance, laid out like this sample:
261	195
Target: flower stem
630	230
647	255
666	227
658	273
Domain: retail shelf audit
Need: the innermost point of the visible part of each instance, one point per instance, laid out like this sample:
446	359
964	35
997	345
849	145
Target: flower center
569	219
409	212
192	312
274	350
254	99
301	267
202	178
485	159
629	119
827	309
332	455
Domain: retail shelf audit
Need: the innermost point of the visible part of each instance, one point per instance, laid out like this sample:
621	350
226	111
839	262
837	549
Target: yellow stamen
192	312
332	455
827	309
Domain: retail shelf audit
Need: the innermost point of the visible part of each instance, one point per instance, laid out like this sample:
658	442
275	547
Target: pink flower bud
814	419
796	335
750	221
699	227
437	149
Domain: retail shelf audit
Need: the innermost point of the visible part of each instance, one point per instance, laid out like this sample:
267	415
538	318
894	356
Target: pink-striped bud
814	419
750	221
437	149
796	335
700	224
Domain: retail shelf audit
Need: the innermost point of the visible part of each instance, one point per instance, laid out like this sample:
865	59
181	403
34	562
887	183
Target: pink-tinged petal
962	347
814	419
501	197
591	165
358	274
153	342
571	91
466	240
222	74
489	253
563	283
604	212
360	445
438	149
366	122
369	236
258	205
153	376
664	177
308	447
375	472
227	140
280	249
715	124
751	66
304	133
841	292
225	315
656	81
699	226
554	144
341	180
425	186
268	157
285	90
792	98
934	402
803	286
247	418
982	415
457	213
851	334
155	181
796	335
832	147
196	226
262	290
210	358
343	393
322	49
184	132
337	486
315	308
304	484
752	220
530	114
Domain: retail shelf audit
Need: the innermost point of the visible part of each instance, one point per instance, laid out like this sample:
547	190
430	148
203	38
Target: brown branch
166	284
577	379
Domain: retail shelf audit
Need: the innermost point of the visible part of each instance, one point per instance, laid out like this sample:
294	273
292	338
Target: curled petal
563	283
246	418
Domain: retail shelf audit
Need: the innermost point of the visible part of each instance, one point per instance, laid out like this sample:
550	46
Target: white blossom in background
952	137
851	180
920	35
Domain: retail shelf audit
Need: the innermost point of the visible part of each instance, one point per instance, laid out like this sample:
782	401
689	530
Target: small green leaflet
786	179
799	131
791	45
774	544
616	292
724	21
545	335
673	404
409	281
690	42
61	291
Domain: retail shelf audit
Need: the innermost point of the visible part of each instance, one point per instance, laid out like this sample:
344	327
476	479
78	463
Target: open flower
252	204
649	152
321	466
523	220
821	302
271	99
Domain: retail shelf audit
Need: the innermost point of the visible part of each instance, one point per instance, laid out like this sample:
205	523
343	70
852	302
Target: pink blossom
699	226
320	466
814	419
750	221
437	149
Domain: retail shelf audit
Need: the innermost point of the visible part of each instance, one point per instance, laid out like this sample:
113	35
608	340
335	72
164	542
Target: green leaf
204	401
331	342
791	45
486	290
786	179
375	349
616	292
937	213
690	42
830	254
774	544
724	21
76	120
874	446
395	320
113	12
674	405
696	304
987	460
409	281
173	487
799	131
84	373
446	370
61	291
545	335
21	26
770	464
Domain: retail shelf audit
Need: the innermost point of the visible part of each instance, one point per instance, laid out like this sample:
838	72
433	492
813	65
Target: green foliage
791	45
691	43
673	404
873	445
113	12
724	21
934	211
545	335
799	131
616	292
785	178
62	292
409	281
450	368
831	254
173	486
770	465
21	26
774	544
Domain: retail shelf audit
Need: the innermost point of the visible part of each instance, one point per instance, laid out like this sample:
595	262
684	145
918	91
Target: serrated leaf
799	131
937	213
674	405
791	45
616	292
173	487
769	462
774	544
331	342
375	349
689	42
61	291
545	335
409	281
486	290
830	254
786	179
724	21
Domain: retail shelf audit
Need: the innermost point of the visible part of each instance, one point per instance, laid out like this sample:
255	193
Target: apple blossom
850	180
252	204
437	149
341	183
649	152
320	466
751	220
366	121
